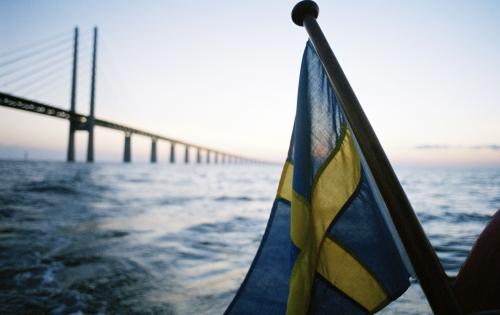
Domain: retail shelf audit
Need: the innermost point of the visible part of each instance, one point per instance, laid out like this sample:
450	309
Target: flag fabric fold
330	246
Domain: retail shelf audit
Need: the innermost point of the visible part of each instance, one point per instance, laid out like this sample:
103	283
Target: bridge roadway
80	120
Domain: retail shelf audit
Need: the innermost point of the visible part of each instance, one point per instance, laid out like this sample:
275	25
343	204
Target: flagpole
428	269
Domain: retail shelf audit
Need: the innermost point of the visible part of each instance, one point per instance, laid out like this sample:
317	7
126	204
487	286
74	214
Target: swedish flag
330	246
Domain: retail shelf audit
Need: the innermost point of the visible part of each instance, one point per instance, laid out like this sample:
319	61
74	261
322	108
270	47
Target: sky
225	74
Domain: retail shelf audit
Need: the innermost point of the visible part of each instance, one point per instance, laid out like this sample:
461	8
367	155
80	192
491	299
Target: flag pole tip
303	9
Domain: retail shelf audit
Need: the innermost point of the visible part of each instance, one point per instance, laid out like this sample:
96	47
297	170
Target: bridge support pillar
223	159
90	145
208	157
153	150
216	158
70	157
186	155
172	152
198	155
127	150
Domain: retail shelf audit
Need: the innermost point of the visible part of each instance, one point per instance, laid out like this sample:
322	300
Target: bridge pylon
91	121
70	157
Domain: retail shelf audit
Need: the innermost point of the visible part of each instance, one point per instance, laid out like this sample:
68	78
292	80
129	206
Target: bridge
87	123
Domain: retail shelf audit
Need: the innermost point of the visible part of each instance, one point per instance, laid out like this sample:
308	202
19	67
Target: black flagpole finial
303	9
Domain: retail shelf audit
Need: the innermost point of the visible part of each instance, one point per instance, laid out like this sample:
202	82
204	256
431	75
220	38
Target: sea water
112	238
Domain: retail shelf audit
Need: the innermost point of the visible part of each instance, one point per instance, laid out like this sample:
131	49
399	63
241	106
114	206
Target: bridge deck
12	101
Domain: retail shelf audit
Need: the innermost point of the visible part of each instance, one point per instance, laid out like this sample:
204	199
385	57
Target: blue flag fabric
330	246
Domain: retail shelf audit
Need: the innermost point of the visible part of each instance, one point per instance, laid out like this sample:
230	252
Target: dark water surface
178	239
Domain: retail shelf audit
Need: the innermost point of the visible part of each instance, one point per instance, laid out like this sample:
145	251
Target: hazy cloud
432	147
493	147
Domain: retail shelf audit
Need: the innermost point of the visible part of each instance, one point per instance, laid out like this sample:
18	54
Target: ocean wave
232	198
48	188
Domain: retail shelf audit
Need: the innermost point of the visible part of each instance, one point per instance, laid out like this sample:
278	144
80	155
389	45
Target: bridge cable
43	68
33	53
64	52
113	72
43	77
37	70
46	87
43	58
35	44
